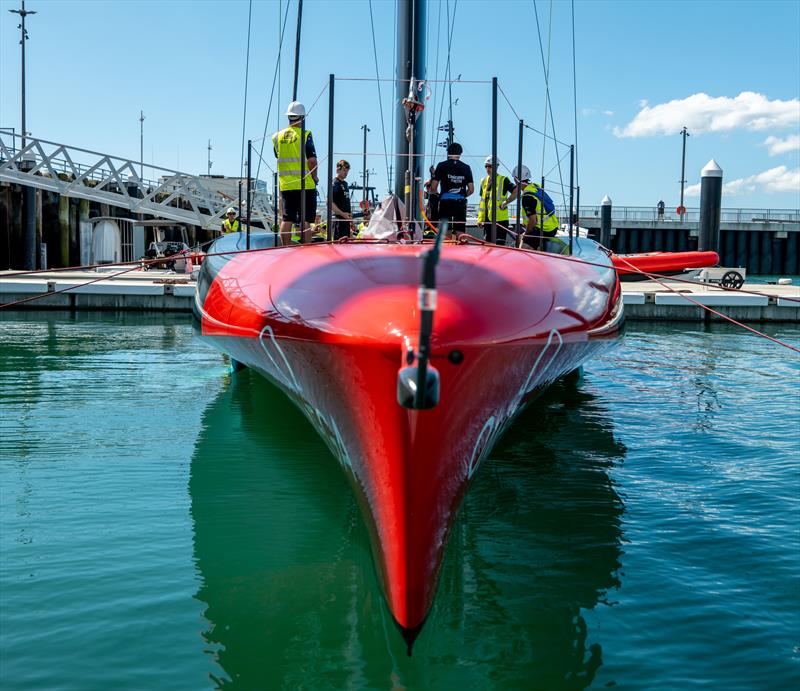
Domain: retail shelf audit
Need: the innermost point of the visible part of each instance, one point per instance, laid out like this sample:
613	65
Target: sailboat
409	381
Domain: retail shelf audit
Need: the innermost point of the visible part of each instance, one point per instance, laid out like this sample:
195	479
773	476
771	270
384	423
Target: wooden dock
151	291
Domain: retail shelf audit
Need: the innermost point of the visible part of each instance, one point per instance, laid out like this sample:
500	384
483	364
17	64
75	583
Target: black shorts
456	211
291	205
341	228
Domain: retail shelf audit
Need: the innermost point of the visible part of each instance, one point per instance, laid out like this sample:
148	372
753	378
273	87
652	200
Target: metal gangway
74	172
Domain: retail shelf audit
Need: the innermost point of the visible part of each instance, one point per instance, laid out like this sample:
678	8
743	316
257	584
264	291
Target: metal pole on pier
249	173
209	157
30	192
681	207
297	48
141	145
364	170
571	190
493	177
329	212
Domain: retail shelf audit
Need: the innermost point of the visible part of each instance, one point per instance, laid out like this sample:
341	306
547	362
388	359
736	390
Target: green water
165	525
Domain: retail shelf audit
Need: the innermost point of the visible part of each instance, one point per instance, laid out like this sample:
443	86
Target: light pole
141	145
364	169
210	162
22	12
685	134
29	196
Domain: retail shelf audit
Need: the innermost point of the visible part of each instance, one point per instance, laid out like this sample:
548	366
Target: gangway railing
85	174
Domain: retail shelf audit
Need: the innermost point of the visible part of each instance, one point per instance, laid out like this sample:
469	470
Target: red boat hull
662	262
331	324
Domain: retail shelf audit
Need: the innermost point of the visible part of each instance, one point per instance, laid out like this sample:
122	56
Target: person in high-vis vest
505	193
291	180
540	223
231	223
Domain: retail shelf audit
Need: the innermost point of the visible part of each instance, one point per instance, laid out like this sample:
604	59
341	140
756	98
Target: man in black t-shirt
340	201
455	179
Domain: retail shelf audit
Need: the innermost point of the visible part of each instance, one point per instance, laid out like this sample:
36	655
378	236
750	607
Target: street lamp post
684	133
141	145
210	162
30	193
22	12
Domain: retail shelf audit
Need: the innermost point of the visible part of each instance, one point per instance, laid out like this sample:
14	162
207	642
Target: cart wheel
732	279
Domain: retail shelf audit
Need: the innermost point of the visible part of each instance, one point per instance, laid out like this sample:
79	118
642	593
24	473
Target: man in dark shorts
291	180
340	202
454	177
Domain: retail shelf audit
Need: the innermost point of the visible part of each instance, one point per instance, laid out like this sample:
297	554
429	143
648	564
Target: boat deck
163	291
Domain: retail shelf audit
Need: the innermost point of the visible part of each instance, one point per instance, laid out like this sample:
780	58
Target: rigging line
316	100
448	67
546	69
513	110
394	99
713	311
380	99
275	77
549	100
574	95
246	78
533	129
278	65
434	130
450	85
405	81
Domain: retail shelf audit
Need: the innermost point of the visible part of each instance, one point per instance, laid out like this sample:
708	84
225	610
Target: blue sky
730	71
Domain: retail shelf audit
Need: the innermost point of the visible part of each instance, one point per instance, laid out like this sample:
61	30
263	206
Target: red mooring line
713	311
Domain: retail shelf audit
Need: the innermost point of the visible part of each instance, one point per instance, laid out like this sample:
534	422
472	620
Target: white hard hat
230	210
296	110
526	173
489	161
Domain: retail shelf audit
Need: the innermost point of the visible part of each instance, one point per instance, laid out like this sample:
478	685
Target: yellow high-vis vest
484	208
228	227
550	223
287	144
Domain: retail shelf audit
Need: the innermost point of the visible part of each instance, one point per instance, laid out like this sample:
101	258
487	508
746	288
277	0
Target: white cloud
608	112
778	179
777	146
703	113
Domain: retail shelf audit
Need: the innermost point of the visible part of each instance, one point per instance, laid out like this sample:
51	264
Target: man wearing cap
291	179
230	224
503	196
455	178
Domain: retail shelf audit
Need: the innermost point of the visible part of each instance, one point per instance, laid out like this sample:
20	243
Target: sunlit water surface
165	525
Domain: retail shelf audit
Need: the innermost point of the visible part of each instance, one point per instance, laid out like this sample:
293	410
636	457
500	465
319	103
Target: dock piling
605	222
710	206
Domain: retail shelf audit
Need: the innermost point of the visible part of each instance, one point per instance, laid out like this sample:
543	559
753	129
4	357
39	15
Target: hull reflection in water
291	591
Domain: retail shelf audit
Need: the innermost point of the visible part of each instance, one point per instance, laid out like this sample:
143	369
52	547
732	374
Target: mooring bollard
605	222
710	205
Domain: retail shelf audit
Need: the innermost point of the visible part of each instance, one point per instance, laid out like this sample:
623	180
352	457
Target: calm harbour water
165	525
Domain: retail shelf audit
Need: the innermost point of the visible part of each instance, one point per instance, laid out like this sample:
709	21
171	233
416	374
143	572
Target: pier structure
156	291
764	241
67	177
